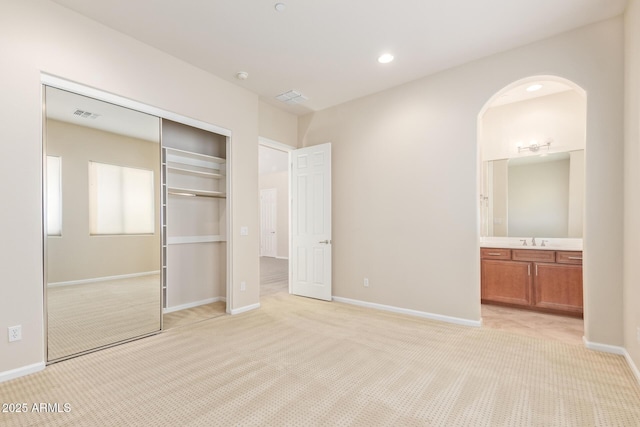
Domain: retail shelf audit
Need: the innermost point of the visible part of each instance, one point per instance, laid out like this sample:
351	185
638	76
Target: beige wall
632	182
40	36
405	173
280	181
75	255
278	125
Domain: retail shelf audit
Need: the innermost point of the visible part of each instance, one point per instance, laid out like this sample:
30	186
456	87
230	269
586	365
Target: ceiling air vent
291	97
85	114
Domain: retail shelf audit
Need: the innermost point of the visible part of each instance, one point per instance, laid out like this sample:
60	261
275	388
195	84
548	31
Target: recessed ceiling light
242	75
534	88
385	58
280	7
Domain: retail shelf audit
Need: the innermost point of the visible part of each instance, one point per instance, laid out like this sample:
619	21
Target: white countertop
516	243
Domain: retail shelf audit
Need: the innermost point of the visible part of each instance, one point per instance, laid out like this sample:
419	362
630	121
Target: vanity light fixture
534	146
385	58
534	87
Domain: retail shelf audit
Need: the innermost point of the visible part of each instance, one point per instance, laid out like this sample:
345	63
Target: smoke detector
291	97
242	75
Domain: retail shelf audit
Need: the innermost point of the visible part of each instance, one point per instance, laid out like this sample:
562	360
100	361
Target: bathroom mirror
101	223
534	196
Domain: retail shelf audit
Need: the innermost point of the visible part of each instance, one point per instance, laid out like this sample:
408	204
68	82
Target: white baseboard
613	349
102	279
634	368
245	308
21	372
424	314
192	304
282	257
605	348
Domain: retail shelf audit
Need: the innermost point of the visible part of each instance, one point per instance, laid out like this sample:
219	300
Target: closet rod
190	194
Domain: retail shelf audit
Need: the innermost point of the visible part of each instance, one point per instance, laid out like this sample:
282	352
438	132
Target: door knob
326	242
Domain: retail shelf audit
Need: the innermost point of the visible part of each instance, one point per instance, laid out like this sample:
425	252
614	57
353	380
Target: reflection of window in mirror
54	196
121	200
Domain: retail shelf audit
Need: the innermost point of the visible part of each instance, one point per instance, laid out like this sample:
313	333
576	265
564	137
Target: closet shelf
176	155
190	192
185	171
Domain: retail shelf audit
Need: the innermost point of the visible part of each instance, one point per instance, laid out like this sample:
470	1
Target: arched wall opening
531	179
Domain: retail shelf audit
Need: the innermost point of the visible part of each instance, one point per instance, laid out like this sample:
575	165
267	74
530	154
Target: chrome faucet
524	242
533	241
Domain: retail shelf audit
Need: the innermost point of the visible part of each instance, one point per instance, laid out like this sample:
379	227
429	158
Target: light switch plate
244	230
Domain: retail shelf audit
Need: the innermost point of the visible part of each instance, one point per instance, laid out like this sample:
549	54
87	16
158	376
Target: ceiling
327	50
522	92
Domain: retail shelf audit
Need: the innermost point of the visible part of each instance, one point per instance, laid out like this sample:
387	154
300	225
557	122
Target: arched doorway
531	137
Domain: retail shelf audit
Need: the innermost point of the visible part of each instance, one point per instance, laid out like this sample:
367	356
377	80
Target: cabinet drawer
533	255
565	257
495	253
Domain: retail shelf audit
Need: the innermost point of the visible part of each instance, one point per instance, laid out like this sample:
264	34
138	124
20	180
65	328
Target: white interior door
268	222
311	222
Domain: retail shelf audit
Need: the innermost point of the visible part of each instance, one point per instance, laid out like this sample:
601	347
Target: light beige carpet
274	278
193	315
302	362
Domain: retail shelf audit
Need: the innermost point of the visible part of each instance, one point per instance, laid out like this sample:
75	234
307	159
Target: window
54	196
120	200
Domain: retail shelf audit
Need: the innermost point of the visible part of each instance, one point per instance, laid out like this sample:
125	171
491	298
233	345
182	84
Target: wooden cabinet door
558	287
506	281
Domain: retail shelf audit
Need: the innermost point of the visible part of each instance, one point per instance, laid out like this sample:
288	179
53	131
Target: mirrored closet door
101	223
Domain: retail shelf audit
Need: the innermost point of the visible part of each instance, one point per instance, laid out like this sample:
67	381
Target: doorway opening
274	177
531	139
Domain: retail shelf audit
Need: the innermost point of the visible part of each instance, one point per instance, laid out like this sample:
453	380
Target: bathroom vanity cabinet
535	279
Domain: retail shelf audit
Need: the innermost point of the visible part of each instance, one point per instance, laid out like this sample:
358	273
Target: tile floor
550	326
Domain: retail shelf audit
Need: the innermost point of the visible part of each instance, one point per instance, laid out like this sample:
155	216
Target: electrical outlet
366	282
243	286
15	333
